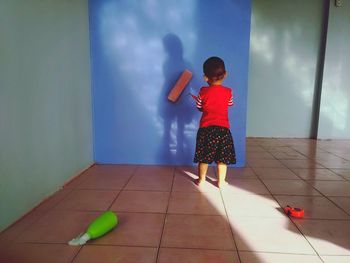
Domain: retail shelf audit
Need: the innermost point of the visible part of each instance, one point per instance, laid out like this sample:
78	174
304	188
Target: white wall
334	120
45	104
285	40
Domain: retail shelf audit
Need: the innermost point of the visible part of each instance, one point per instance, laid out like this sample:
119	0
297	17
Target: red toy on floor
294	211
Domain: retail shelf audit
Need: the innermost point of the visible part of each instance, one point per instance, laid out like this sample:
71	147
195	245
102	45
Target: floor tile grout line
199	214
17	236
76	255
325	196
329	169
132	175
76	188
62	199
278	253
325	219
53	208
118	245
123	189
35	209
332	169
244	250
309	183
308	157
310	195
290	220
335	155
165	217
321	194
125	245
307	240
290	169
80	177
346	179
137	167
229	224
200	248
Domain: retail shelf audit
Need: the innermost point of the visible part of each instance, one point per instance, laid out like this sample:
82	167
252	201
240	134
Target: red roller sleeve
180	85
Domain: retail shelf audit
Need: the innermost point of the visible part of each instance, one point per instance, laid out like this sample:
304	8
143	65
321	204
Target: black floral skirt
214	143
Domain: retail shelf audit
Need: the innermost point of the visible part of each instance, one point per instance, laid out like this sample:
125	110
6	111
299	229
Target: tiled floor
165	217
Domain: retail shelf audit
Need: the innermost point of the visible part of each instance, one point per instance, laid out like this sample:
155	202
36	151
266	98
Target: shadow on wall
139	50
175	116
136	62
118	110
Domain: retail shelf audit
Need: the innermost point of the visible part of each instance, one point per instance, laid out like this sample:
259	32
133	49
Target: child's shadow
175	146
212	181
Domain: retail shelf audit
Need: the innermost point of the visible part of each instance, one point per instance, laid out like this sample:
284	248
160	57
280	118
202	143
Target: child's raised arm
199	103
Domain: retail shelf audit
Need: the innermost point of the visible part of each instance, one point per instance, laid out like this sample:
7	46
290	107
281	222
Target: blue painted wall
138	51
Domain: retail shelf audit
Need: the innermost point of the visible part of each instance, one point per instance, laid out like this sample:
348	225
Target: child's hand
196	100
193	96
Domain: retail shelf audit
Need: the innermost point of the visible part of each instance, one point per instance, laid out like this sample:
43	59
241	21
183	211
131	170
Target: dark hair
214	68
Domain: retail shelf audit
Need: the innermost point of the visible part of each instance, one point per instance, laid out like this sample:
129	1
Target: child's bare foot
198	182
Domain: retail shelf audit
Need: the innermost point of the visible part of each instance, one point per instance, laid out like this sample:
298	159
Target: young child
214	140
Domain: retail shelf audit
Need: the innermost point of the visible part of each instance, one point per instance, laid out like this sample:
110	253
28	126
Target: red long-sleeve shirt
214	101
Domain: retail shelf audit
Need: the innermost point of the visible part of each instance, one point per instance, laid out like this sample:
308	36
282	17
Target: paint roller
180	85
